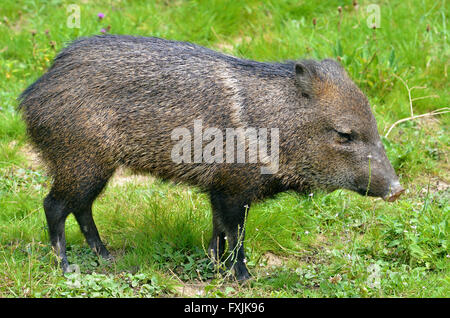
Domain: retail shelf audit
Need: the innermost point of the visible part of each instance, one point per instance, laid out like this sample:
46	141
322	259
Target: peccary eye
345	137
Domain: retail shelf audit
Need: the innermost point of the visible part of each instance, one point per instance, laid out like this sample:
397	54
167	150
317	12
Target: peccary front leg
90	232
83	215
229	214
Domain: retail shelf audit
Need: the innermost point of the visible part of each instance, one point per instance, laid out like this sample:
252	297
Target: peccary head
341	140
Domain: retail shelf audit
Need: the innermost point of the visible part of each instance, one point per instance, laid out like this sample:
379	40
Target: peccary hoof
109	258
243	277
63	264
69	268
241	272
72	268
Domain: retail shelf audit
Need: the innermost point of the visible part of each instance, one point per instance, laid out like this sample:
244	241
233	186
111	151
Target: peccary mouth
394	192
394	196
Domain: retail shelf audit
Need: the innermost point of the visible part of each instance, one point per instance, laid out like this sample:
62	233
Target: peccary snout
396	191
380	179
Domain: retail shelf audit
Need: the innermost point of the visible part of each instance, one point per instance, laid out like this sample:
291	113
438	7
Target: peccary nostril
395	192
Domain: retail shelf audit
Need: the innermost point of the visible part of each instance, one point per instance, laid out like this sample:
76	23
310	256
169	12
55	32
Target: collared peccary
110	101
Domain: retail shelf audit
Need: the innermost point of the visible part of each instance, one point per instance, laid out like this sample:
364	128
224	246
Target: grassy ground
328	245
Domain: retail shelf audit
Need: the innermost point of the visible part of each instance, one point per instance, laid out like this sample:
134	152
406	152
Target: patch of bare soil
31	155
191	289
123	176
274	260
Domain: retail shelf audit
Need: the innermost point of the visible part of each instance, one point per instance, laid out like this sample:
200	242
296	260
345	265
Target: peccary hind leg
56	212
76	198
229	214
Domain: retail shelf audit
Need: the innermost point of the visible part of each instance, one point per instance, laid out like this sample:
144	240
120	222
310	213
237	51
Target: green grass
328	245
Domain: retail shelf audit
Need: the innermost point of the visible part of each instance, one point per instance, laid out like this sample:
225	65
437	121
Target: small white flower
306	232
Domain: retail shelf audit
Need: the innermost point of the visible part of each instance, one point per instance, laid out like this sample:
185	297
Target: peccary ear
303	75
